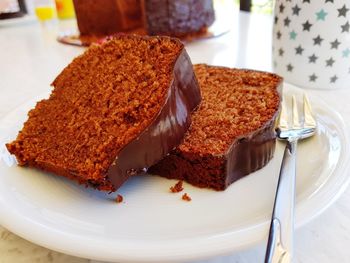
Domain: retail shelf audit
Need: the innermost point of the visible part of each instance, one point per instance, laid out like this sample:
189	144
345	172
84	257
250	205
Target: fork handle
280	243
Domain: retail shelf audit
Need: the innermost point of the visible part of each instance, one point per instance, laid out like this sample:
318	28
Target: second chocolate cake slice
232	133
114	111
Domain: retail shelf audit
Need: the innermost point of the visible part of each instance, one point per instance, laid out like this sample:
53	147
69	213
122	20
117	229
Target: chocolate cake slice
232	132
114	111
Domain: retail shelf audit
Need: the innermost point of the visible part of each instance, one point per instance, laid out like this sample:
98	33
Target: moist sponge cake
114	111
232	132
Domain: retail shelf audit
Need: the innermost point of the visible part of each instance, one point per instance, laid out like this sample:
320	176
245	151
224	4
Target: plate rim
71	244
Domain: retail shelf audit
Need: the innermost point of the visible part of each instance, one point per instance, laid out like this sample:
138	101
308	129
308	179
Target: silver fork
280	243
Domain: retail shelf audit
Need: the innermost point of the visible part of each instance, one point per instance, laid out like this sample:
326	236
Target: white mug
311	43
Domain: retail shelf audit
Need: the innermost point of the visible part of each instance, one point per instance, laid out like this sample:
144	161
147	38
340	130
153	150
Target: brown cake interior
100	102
231	133
234	103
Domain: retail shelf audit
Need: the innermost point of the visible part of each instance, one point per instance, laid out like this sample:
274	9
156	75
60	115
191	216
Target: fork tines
284	120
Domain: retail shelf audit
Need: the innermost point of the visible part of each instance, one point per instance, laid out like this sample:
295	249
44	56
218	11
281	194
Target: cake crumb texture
100	102
232	131
234	102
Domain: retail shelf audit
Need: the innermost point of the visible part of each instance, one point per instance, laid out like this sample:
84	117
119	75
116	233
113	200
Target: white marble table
30	56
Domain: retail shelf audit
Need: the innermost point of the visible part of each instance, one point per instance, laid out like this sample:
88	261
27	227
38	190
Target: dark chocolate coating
246	154
178	18
250	153
166	131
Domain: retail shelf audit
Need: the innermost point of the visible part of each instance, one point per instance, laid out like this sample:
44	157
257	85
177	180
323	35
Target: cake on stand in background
99	19
111	16
185	19
178	18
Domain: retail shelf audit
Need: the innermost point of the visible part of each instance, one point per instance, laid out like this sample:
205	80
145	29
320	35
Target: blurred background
63	9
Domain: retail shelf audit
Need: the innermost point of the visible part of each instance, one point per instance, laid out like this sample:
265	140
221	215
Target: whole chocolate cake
232	132
114	111
178	17
106	17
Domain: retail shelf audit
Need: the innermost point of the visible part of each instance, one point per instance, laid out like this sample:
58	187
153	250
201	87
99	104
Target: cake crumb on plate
186	197
119	198
177	187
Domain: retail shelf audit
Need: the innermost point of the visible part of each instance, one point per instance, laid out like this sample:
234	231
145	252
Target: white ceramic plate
154	225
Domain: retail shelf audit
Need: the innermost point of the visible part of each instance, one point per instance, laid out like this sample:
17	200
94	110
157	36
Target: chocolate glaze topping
166	131
250	153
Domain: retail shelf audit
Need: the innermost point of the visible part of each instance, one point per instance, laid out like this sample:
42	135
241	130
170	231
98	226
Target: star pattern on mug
299	50
293	35
330	62
281	52
321	15
318	40
296	9
312	45
282	8
278	34
335	44
286	21
313	77
313	58
307	26
342	11
346	53
333	79
345	27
